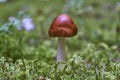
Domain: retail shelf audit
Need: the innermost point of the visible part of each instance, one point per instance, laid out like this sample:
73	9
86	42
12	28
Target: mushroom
61	27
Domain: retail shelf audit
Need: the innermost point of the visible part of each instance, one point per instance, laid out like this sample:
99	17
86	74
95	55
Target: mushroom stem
61	49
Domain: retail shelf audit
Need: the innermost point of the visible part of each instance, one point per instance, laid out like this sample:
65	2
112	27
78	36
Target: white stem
61	49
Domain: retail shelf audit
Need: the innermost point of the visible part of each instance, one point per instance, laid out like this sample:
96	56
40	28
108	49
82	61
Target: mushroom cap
62	26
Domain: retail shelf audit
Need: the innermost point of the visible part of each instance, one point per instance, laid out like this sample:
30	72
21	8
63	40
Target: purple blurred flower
27	24
11	18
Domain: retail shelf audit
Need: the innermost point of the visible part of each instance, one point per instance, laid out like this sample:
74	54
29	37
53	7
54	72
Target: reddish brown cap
62	26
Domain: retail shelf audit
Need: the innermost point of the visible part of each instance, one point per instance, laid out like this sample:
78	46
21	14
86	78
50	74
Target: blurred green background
97	21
